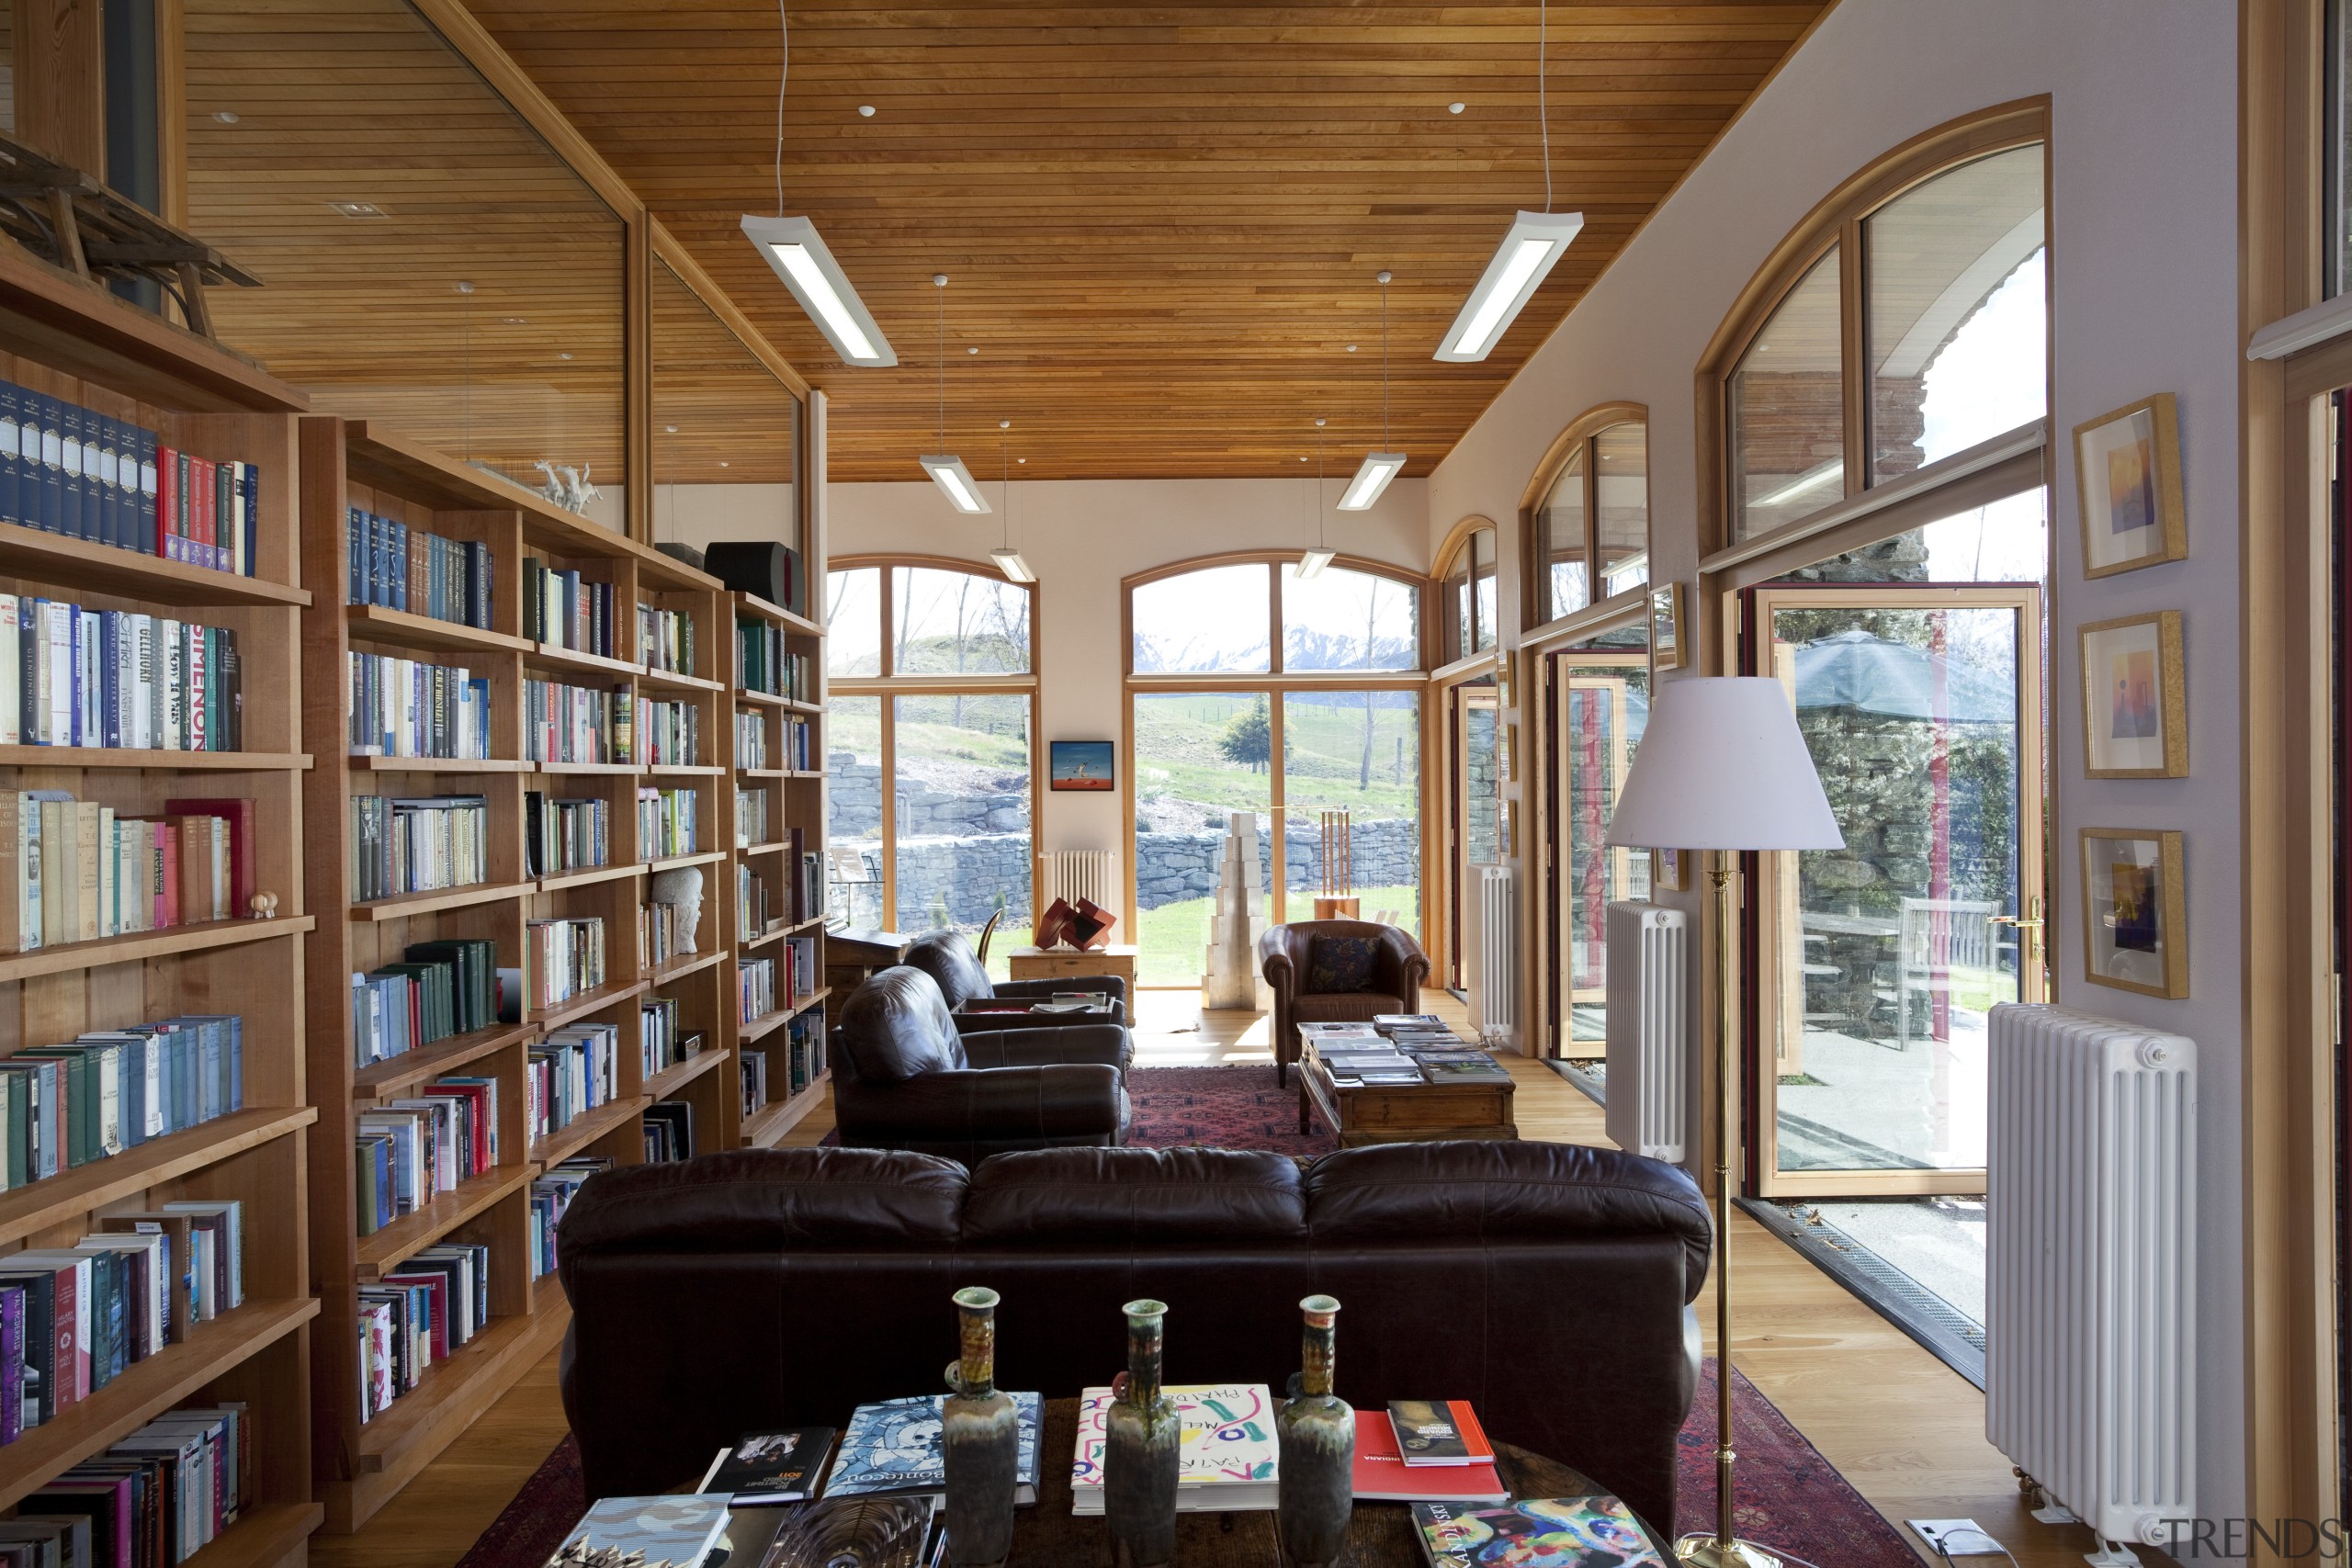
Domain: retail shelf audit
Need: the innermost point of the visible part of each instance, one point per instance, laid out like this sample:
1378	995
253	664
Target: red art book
1383	1476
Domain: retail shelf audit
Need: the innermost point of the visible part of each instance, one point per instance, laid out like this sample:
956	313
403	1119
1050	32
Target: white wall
2144	298
1082	537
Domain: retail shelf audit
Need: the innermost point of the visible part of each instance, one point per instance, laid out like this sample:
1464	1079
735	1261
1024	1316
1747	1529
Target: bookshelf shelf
131	756
401	628
666	1083
261	1537
752	604
474	1374
366	764
581	1006
760	699
773	847
773	1121
680	968
146	1390
768	1023
672	862
610	769
39	1205
202	937
684	770
407	906
671	681
587	1128
557	656
384	1080
762	938
44	557
763	774
588	876
382	1252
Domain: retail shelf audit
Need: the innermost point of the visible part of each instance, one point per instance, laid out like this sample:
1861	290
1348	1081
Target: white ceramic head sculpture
682	887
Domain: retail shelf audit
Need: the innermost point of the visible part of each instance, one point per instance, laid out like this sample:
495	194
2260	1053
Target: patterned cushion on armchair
1337	965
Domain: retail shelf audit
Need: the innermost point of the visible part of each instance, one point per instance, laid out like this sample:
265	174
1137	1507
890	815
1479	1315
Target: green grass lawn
1175	937
1177	754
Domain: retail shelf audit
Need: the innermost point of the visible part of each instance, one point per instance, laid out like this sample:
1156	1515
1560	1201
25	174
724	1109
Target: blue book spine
355	590
51	506
72	482
399	563
12	465
98	476
149	541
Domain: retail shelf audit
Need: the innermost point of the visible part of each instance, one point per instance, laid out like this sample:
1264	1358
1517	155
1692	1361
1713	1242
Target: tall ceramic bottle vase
1317	1432
979	1440
1142	1447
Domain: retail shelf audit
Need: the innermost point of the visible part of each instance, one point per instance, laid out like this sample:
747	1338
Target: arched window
1230	618
931	719
1587	514
1467	592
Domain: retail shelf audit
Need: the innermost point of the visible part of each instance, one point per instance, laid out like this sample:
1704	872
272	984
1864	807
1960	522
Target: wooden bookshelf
361	1464
61	336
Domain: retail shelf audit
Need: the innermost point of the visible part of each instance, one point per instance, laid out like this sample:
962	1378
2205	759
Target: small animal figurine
264	906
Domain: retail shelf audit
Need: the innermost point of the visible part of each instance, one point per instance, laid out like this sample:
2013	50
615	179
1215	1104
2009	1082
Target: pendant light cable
782	74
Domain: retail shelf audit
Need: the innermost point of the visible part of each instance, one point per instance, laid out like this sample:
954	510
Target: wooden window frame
1461	540
1274	561
1580	436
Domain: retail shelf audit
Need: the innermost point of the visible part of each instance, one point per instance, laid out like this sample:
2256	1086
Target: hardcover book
771	1467
894	1448
1381	1476
1229	1450
653	1532
1598	1531
1438	1432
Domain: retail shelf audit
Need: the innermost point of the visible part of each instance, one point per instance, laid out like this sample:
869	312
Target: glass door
1879	961
1601	704
1474	810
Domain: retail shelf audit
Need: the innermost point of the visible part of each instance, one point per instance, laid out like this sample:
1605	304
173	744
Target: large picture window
932	797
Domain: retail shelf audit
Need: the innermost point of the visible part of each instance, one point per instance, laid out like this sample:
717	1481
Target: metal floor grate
1951	1334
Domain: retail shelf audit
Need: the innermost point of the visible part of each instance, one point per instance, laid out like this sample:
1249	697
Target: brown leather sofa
1392	981
1548	1283
906	1078
948	959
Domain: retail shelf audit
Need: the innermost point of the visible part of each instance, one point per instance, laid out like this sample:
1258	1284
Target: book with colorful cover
676	1531
893	1449
765	1468
1438	1432
1382	1475
1598	1531
1228	1448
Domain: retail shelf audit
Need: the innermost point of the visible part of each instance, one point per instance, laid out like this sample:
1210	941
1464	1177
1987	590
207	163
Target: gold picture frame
1510	753
1670	870
2135	698
1666	626
1510	829
2135	911
2126	474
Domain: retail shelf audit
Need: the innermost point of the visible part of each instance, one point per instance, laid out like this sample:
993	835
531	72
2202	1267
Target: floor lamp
1721	766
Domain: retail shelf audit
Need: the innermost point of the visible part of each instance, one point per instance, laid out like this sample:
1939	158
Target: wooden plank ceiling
1162	222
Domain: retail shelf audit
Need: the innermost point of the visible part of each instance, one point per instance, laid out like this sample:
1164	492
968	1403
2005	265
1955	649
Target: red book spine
166	493
201	491
72	1355
168	844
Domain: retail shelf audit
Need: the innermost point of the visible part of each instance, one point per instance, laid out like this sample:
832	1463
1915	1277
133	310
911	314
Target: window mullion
1854	352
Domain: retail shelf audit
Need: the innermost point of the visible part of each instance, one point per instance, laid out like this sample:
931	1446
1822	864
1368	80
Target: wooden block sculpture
1232	979
1336	903
1085	926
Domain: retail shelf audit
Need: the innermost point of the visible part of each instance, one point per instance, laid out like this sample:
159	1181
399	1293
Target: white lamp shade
1723	766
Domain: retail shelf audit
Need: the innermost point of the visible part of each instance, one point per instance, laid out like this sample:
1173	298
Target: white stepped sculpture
1232	980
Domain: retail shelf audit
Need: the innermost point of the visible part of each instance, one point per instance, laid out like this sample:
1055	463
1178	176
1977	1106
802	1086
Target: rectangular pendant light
955	483
807	268
1008	561
1378	468
1536	241
1312	563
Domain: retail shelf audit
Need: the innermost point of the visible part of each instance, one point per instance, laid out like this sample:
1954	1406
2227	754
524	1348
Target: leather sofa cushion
896	1026
1135	1197
756	1200
947	958
1356	1007
1476	1191
1337	963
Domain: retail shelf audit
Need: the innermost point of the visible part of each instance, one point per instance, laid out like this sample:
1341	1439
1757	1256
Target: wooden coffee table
1402	1113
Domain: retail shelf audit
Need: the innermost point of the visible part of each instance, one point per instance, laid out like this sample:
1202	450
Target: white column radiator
2091	1266
1073	875
1497	972
1647	1029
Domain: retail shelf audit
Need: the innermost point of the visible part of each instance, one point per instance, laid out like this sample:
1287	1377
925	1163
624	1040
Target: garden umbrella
1896	680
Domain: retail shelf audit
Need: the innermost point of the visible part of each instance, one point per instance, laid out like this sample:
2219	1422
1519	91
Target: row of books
428	1312
561	608
118	678
561	835
563	723
808	885
668	1132
415	570
561	959
750	817
665	823
410	1151
440	988
662	933
75	1319
752	1080
662	1041
755	992
1399	1049
83	873
665	639
568	1074
754	916
803	1051
669	733
800	967
551	1194
764	664
751	738
111	1089
153	1500
795	744
89	476
418	844
405	707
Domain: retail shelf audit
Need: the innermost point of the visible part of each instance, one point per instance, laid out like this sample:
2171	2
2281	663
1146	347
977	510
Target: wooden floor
1907	1431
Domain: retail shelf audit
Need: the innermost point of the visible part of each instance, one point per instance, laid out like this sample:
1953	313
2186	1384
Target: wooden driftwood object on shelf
71	219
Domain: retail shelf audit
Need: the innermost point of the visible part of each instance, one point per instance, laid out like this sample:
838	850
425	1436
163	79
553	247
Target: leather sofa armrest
1275	960
1067	1099
1108	1045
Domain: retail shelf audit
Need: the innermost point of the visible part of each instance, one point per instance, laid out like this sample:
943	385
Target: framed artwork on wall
2127	468
1506	682
2135	920
1082	764
1670	870
1510	753
1666	626
2135	703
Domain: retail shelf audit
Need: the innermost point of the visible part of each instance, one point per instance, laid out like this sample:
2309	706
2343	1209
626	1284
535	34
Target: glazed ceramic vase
979	1440
1315	1432
1142	1447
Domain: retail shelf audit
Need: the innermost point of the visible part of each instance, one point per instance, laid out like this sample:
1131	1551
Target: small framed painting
1670	870
1082	764
1510	753
1666	626
2136	704
2127	466
2135	920
1506	680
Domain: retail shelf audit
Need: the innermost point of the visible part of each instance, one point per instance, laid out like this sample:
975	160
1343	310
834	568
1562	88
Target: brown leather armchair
948	959
1367	969
905	1077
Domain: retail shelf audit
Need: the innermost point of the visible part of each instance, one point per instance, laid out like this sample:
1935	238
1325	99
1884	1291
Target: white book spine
11	678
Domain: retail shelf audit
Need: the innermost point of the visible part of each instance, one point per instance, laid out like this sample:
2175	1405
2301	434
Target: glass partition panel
1454	606
427	261
1561	529
1349	620
1958	349
1351	806
1787	402
854	810
1200	757
1211	620
1621	482
1603	706
726	432
956	623
854	621
1482	588
961	800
